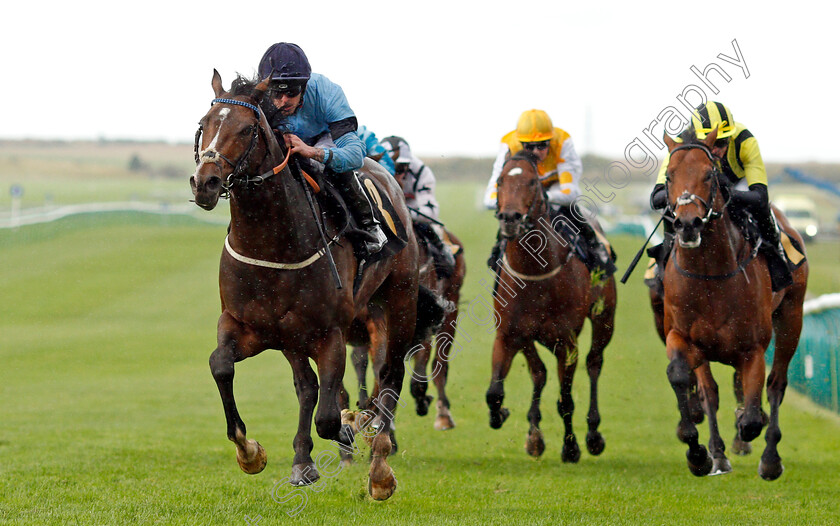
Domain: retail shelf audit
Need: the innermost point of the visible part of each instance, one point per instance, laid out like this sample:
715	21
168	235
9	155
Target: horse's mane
525	155
242	85
689	135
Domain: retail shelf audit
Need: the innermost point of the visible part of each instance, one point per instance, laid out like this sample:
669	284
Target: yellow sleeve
754	169
660	179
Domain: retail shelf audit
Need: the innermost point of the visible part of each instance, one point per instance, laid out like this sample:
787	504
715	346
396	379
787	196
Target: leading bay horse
718	306
544	294
276	288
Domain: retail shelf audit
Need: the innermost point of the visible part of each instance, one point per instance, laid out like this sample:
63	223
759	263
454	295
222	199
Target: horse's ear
260	89
217	83
671	143
710	139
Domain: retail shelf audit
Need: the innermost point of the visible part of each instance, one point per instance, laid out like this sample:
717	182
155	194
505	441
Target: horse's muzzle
688	232
206	193
510	224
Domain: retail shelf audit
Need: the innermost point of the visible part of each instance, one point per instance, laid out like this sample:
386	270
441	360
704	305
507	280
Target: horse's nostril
678	224
697	223
213	183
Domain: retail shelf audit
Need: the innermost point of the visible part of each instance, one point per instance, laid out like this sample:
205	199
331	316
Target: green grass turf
109	414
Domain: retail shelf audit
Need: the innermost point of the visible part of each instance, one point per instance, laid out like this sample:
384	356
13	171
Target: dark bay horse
449	289
276	288
544	294
718	307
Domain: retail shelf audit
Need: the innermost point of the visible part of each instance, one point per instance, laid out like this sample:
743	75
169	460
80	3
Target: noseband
526	223
241	164
687	198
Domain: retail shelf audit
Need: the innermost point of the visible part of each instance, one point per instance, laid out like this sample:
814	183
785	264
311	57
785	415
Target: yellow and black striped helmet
709	116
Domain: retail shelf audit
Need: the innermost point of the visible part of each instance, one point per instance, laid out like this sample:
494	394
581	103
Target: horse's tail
431	309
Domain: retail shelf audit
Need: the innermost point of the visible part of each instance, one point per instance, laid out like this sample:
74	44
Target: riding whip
308	192
639	254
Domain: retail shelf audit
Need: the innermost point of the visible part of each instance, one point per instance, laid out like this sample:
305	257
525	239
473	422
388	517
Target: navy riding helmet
286	63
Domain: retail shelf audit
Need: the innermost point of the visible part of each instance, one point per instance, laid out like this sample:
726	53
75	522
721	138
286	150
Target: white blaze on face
211	148
515	171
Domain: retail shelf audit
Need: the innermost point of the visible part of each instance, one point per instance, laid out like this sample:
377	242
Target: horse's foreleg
739	445
399	323
304	470
535	445
787	323
503	354
679	375
603	325
752	420
440	372
444	350
419	380
566	366
249	453
359	357
707	389
331	358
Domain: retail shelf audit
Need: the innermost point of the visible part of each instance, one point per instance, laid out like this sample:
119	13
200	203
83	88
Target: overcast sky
450	79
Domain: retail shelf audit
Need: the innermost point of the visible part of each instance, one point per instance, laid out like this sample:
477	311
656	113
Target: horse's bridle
237	176
526	223
687	198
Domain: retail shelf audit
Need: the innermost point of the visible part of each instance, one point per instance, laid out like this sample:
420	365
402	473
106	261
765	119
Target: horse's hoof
421	405
252	459
721	466
770	471
497	419
444	422
304	474
700	463
384	488
739	447
595	443
571	450
535	445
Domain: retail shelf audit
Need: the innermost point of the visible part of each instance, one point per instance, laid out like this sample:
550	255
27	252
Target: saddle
334	206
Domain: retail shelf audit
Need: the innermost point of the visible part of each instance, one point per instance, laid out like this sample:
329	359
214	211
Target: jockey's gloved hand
658	197
753	199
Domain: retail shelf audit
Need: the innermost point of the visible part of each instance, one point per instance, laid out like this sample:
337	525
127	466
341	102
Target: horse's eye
248	130
709	175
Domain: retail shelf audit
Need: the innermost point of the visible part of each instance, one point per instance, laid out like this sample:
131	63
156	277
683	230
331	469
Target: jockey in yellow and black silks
740	160
559	166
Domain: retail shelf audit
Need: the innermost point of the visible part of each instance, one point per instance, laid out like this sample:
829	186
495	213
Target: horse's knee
679	374
221	364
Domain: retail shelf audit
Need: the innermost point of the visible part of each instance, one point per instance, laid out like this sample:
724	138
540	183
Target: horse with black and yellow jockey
560	169
737	152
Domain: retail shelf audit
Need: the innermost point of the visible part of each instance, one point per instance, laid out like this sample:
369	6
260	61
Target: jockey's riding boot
445	261
771	247
362	210
598	254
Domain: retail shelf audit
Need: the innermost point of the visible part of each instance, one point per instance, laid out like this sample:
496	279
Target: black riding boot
771	247
442	256
599	258
362	210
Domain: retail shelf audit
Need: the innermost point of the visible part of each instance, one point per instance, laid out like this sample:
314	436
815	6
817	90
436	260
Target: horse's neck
719	252
540	250
273	218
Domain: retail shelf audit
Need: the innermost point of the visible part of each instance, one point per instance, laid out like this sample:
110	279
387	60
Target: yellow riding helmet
534	126
711	115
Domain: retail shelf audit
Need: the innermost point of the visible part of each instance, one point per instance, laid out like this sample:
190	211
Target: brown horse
276	288
544	294
449	289
718	306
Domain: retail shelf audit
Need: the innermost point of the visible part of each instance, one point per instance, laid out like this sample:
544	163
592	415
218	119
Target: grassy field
109	413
